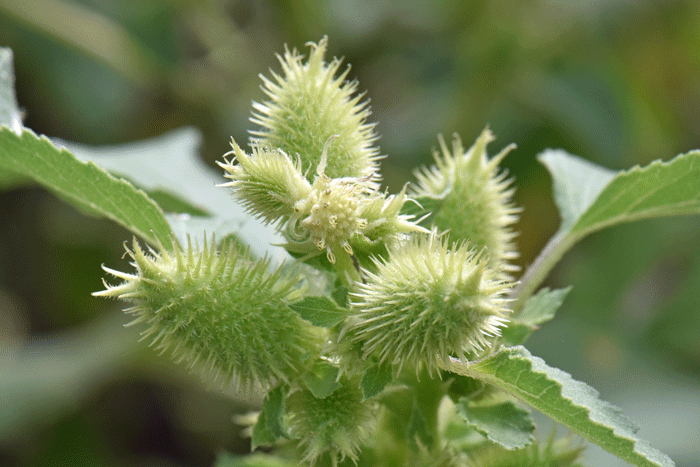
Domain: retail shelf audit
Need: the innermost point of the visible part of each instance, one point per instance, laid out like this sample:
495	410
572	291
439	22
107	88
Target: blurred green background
614	81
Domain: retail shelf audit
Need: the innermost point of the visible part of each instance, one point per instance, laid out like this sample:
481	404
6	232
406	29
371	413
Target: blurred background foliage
615	81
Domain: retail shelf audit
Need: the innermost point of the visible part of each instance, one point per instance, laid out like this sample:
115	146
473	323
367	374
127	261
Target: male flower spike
329	215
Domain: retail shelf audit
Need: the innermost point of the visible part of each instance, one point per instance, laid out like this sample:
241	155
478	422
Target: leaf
569	402
340	295
322	379
9	112
374	380
657	190
261	433
273	408
9	180
541	307
166	163
319	310
591	198
463	386
170	164
576	183
269	427
505	423
84	185
538	309
418	430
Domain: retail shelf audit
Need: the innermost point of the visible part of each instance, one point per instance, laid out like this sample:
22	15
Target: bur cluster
413	278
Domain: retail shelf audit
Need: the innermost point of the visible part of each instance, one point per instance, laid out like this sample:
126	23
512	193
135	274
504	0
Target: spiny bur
427	301
218	307
267	182
561	452
466	195
309	103
336	425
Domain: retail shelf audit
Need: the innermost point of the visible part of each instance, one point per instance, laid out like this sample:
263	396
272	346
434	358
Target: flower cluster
331	215
401	293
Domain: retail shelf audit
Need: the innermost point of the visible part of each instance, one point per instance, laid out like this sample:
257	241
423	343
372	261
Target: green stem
538	271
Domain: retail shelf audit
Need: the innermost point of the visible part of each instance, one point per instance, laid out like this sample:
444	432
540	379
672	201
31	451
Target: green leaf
569	402
463	386
166	163
322	379
542	306
84	185
319	310
538	309
576	183
261	433
657	190
9	112
591	198
418	430
374	380
273	408
340	295
269	427
169	165
9	180
505	423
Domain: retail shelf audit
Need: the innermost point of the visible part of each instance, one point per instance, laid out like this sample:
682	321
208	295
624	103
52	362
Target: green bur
218	307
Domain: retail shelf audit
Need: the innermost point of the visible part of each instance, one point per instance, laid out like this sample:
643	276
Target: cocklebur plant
393	334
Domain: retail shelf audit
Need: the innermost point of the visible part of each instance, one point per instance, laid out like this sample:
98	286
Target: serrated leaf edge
578	394
154	236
